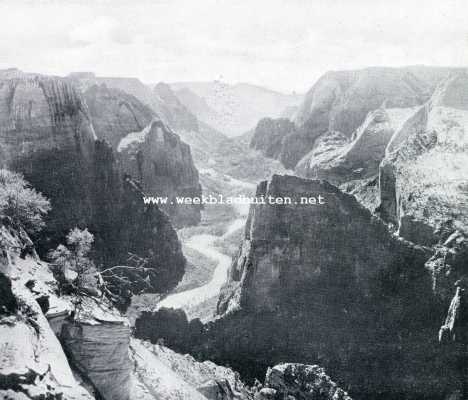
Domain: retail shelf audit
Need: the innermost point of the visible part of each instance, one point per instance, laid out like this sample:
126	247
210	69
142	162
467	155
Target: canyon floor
209	248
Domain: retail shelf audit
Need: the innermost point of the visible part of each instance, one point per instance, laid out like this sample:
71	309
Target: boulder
99	351
302	382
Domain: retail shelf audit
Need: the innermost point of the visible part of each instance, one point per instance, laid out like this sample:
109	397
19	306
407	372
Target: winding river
204	244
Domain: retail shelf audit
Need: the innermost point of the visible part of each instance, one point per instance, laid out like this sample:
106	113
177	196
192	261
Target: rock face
8	303
269	138
163	164
47	134
339	159
423	176
339	103
33	364
301	382
329	284
100	352
39	114
278	254
172	111
168	375
115	113
146	148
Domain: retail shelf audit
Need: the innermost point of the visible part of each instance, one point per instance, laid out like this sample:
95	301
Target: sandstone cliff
269	137
47	134
172	111
330	284
423	176
341	100
339	159
42	113
162	164
114	113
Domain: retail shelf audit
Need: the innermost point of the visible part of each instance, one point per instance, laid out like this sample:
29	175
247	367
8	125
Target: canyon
359	296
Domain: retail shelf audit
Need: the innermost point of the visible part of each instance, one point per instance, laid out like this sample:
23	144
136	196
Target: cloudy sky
281	44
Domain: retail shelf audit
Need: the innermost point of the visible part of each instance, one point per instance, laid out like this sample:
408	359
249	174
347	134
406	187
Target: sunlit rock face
423	184
301	382
164	374
339	159
33	364
340	102
163	164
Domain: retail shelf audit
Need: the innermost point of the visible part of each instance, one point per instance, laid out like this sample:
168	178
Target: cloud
284	44
101	29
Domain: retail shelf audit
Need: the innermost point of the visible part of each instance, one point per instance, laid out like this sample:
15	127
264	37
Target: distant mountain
340	101
232	109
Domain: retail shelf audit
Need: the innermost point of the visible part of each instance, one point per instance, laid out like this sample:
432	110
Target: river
204	244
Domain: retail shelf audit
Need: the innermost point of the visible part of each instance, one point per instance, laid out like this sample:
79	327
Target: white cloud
284	44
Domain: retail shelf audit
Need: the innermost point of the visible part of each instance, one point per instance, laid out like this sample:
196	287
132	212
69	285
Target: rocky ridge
53	353
163	164
341	100
423	175
360	298
47	134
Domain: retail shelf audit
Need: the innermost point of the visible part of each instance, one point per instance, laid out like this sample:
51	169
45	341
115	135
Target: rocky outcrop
163	164
270	137
340	101
329	284
169	375
301	382
170	326
39	113
454	338
132	86
8	303
47	134
172	111
284	242
423	175
33	364
99	351
339	159
115	113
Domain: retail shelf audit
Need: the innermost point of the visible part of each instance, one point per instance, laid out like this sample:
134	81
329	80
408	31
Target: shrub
21	203
74	271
